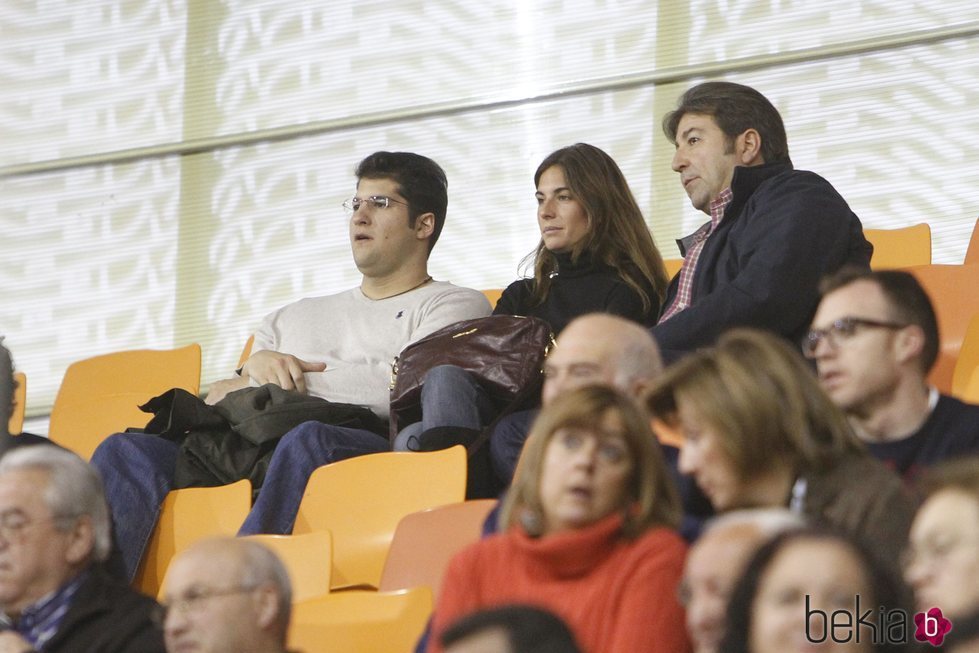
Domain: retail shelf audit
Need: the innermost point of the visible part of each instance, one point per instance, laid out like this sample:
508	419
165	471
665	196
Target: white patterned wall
89	260
291	62
82	77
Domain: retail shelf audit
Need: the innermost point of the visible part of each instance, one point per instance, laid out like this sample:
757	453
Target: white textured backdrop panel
721	30
89	260
292	62
86	76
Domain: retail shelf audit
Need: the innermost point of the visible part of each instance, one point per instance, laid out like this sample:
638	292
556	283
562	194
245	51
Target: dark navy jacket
783	231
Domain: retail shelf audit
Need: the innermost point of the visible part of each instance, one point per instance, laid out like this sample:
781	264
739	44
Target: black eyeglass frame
842	329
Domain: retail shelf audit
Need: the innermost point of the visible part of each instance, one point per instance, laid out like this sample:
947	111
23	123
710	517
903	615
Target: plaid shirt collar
40	621
718	206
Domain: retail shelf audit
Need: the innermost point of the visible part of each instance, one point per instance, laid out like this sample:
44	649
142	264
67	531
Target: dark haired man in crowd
7	386
338	347
55	595
874	338
774	232
510	629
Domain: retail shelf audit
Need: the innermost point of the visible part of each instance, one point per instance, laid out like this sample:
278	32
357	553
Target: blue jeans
137	472
298	454
506	442
451	396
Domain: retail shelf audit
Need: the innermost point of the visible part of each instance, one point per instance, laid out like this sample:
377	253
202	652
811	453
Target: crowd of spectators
788	479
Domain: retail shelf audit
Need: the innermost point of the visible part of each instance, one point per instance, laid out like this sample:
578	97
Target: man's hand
220	389
284	370
11	642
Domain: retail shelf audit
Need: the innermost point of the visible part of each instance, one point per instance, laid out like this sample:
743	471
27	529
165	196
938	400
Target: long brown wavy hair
617	232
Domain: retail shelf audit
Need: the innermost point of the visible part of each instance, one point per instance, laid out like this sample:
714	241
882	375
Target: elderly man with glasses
55	595
226	595
874	338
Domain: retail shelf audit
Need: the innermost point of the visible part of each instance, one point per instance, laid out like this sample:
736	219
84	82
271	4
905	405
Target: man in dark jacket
55	595
774	231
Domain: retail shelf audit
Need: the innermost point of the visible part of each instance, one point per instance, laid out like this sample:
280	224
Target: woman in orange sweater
588	532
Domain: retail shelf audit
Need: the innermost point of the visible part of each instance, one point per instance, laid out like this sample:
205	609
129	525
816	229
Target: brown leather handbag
505	353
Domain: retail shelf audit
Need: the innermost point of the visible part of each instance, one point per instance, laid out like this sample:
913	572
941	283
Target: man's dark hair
420	180
7	387
735	108
907	302
528	629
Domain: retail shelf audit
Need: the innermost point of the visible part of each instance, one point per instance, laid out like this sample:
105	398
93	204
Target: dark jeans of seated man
138	469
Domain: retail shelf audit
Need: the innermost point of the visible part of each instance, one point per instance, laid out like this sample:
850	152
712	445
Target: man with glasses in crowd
874	339
226	595
55	595
774	231
339	347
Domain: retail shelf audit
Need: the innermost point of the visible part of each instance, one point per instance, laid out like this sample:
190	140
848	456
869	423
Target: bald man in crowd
597	348
714	566
227	595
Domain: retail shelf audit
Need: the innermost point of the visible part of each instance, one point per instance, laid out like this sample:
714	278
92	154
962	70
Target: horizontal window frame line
445	109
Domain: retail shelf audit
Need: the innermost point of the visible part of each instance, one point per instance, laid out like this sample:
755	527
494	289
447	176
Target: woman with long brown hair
595	254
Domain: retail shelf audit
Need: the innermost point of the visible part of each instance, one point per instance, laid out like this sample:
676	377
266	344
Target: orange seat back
101	395
952	289
361	500
360	622
900	248
425	541
186	516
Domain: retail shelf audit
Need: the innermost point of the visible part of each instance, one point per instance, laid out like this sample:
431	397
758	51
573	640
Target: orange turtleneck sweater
618	595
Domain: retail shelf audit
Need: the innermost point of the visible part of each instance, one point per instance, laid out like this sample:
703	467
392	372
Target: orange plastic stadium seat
101	395
308	558
361	500
246	351
425	541
965	380
900	248
189	515
952	289
493	295
673	266
360	622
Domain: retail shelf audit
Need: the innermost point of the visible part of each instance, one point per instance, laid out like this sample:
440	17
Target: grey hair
638	358
260	566
74	489
768	521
